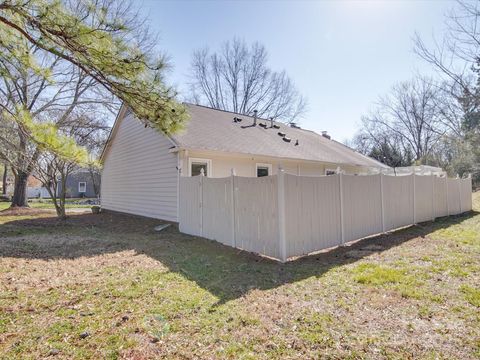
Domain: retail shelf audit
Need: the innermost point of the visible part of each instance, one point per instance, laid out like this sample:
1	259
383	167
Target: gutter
177	149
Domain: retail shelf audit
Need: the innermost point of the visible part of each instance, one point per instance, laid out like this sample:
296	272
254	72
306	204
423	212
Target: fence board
440	197
217	210
453	196
256	218
423	198
466	194
312	213
362	206
190	212
398	201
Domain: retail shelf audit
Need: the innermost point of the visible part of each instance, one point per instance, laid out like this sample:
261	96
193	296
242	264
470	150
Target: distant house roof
211	129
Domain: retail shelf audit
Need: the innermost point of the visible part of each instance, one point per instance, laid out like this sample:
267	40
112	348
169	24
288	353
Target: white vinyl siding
222	164
139	173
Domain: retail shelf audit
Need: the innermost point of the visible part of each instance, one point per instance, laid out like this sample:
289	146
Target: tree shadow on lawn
225	272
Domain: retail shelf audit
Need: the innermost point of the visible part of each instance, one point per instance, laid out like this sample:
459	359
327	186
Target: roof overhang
229	154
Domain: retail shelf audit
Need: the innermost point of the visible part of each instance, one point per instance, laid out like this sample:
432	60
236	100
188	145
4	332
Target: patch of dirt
20	211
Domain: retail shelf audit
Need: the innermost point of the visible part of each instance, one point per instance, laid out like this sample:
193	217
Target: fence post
446	193
382	196
342	210
232	209
281	214
469	192
433	196
414	200
459	194
201	201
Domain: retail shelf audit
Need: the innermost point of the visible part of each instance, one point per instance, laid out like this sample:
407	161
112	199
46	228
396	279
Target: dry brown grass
109	286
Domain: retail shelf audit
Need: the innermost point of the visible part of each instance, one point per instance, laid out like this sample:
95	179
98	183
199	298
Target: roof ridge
258	118
230	112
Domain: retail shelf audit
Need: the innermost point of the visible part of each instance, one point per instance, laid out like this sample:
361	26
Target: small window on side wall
264	170
330	172
82	187
197	165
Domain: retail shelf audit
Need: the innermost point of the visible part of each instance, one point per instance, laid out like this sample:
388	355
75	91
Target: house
35	188
81	183
141	167
8	191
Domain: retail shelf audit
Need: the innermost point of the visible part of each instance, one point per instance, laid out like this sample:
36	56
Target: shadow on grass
225	272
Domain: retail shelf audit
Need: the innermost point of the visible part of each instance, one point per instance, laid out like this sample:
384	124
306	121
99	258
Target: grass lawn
108	286
47	204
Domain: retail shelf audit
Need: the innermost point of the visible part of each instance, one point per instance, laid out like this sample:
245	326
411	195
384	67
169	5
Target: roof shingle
211	129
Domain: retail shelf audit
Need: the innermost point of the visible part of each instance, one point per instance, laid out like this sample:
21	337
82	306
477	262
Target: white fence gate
285	215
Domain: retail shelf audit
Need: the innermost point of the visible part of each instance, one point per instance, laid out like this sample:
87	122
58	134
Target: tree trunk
20	192
4	181
60	199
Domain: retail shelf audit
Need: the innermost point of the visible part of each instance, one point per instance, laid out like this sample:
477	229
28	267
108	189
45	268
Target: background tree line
65	66
433	121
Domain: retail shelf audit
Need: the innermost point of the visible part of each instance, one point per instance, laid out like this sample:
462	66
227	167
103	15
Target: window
264	170
82	187
196	165
330	172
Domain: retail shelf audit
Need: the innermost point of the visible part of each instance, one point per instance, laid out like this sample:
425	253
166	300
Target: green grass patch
373	274
471	294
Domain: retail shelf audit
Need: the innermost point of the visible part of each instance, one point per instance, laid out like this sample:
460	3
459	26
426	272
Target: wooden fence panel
318	212
190	211
312	207
453	191
398	201
217	210
424	210
256	215
362	206
440	200
466	194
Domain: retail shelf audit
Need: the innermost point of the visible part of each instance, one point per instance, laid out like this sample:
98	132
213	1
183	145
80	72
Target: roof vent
325	135
296	143
255	117
236	119
276	126
263	125
281	134
294	125
286	139
271	122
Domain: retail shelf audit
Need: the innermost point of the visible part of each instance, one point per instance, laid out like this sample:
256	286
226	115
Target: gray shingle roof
211	129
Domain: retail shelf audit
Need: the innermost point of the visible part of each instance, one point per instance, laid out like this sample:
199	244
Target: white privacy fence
285	215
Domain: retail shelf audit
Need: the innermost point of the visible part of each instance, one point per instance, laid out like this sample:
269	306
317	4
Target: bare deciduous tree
90	130
409	116
238	79
456	57
456	54
46	101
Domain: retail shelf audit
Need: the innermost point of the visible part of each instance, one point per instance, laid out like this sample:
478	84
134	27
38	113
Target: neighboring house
35	189
80	184
10	186
141	167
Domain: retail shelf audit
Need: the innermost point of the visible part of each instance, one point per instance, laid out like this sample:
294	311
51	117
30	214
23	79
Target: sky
341	55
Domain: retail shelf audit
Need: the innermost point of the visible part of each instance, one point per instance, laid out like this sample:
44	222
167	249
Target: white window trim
207	161
85	186
334	171
269	166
